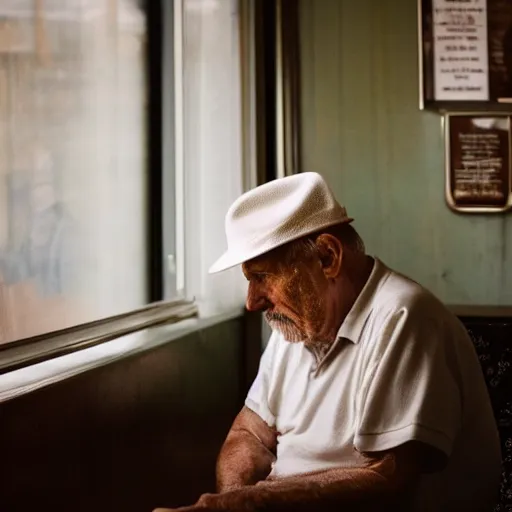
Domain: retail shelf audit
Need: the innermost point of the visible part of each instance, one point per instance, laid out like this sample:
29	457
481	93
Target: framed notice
478	162
465	53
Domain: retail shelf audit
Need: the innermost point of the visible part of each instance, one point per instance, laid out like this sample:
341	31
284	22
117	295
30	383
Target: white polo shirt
403	368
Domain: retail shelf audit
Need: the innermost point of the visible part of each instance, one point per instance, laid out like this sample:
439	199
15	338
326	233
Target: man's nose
256	300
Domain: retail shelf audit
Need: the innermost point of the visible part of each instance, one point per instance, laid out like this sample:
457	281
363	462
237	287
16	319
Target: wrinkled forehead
269	262
274	262
264	263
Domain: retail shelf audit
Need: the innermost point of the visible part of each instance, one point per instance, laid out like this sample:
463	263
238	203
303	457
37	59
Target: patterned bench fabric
493	342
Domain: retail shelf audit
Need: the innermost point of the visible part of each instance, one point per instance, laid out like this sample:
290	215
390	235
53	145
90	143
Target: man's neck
320	350
351	285
348	290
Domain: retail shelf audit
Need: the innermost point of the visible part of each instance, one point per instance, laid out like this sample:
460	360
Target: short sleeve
258	397
413	393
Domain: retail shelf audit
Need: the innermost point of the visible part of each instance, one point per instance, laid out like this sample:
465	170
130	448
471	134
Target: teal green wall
362	129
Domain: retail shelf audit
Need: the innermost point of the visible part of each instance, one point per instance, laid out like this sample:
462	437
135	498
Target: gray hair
306	247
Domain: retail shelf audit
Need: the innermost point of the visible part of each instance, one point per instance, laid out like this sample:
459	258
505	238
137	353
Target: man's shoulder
400	294
403	311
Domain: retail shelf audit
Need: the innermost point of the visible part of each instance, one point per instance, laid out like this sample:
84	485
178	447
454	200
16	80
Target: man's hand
206	503
192	508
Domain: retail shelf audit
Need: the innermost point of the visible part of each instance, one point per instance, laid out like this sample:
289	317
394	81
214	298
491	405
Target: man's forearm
363	489
243	461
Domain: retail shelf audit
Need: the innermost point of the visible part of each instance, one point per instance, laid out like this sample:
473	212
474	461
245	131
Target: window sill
31	351
31	378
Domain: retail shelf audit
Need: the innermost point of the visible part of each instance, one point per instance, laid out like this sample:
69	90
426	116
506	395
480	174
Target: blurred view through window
72	162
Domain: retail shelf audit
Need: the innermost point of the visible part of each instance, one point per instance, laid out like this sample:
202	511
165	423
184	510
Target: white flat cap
276	213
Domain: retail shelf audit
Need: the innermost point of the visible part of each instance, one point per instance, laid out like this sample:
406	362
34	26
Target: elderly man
369	395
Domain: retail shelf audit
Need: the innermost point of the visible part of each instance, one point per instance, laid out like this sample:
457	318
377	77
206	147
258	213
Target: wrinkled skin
306	299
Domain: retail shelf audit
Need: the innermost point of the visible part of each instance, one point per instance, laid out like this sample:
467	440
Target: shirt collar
354	323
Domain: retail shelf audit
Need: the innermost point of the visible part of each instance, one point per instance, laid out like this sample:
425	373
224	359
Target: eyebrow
255	269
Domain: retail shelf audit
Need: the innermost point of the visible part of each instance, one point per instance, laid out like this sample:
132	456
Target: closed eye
258	277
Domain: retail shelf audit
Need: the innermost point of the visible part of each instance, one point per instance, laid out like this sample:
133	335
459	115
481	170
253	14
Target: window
72	163
212	144
112	192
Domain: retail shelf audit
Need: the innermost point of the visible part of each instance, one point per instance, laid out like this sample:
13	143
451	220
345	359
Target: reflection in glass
72	162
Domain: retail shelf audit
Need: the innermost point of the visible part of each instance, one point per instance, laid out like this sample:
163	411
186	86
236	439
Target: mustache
278	317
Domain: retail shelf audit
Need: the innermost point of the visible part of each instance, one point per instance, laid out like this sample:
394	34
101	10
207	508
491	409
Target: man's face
294	297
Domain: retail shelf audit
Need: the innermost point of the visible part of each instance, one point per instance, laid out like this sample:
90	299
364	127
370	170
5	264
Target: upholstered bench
493	341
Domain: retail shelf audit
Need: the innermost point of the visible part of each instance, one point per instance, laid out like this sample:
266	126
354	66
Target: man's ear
331	255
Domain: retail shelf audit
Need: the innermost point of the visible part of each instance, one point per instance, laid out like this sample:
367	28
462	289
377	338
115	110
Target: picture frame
478	161
465	55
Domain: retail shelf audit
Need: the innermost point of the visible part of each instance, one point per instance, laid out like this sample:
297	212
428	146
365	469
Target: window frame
155	145
164	224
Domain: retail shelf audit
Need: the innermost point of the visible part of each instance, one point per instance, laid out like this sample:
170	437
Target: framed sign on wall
465	54
478	162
